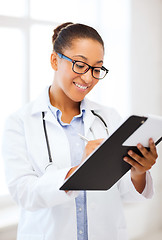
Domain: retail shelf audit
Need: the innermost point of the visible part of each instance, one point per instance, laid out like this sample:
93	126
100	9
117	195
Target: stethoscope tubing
46	135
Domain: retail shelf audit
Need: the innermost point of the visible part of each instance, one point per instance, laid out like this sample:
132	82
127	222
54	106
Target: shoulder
15	121
103	109
32	108
109	114
22	112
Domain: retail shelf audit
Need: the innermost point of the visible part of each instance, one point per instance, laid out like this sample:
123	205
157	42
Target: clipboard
105	166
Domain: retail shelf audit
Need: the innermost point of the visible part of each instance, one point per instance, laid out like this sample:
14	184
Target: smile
80	86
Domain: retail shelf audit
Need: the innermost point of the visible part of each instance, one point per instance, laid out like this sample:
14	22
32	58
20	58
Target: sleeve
128	192
29	189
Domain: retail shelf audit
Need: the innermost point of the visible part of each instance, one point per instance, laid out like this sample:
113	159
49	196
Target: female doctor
37	165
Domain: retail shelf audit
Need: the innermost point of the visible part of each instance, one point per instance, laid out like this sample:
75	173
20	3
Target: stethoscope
46	135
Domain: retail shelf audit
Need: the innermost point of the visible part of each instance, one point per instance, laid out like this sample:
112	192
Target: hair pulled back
65	33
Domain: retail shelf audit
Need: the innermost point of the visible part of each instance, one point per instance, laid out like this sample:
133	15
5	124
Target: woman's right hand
90	147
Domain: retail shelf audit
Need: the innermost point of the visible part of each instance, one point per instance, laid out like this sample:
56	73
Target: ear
54	61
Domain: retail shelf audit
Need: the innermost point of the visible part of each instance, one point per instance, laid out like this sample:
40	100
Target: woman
46	212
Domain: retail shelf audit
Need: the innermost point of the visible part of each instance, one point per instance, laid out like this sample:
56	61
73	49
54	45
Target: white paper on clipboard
151	128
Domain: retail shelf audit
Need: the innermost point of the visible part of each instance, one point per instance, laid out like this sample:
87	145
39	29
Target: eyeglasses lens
81	68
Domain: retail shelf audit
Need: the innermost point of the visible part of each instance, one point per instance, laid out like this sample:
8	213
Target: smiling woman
34	182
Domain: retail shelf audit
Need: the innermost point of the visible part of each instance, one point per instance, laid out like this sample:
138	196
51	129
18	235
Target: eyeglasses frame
89	67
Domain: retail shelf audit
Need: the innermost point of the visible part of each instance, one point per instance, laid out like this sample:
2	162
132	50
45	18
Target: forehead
89	48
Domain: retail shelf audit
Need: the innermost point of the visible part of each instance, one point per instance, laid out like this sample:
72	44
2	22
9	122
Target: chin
77	99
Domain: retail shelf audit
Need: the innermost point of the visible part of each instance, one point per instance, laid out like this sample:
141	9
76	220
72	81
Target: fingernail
130	152
139	145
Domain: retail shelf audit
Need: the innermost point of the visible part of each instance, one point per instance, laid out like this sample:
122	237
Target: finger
133	163
95	142
100	140
137	158
151	155
92	145
153	148
147	161
143	150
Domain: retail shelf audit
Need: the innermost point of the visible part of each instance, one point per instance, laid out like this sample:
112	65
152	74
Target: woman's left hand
141	164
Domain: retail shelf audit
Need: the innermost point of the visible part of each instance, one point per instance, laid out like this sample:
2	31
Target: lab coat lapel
41	105
93	127
89	118
49	117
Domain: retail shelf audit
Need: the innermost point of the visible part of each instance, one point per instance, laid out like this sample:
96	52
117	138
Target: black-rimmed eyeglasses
82	67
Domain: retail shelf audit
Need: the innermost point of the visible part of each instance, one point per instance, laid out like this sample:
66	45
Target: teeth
82	87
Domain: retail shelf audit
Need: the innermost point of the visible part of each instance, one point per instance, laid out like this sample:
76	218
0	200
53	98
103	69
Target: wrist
137	176
139	181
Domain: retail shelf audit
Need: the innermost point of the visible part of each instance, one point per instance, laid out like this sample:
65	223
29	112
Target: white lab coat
46	212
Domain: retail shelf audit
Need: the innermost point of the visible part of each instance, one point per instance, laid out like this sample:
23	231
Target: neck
59	100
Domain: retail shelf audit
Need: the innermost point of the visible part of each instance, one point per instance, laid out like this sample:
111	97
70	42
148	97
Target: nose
87	77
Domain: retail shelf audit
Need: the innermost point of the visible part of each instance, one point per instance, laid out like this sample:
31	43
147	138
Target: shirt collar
57	113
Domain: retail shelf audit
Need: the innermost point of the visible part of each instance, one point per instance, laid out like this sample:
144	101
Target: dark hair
65	33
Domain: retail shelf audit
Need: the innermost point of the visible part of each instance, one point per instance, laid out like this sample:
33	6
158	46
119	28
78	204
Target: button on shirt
77	146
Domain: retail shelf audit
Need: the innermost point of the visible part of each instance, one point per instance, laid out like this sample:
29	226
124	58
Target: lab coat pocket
30	237
122	234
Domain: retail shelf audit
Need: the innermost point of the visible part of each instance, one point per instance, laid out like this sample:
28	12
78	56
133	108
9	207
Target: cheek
65	72
95	81
66	78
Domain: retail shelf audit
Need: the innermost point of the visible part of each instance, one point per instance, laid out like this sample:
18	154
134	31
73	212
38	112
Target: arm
31	189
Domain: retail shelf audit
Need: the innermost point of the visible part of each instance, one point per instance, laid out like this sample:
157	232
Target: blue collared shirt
76	150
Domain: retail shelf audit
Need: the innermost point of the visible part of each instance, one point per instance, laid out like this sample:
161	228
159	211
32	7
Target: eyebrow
86	58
